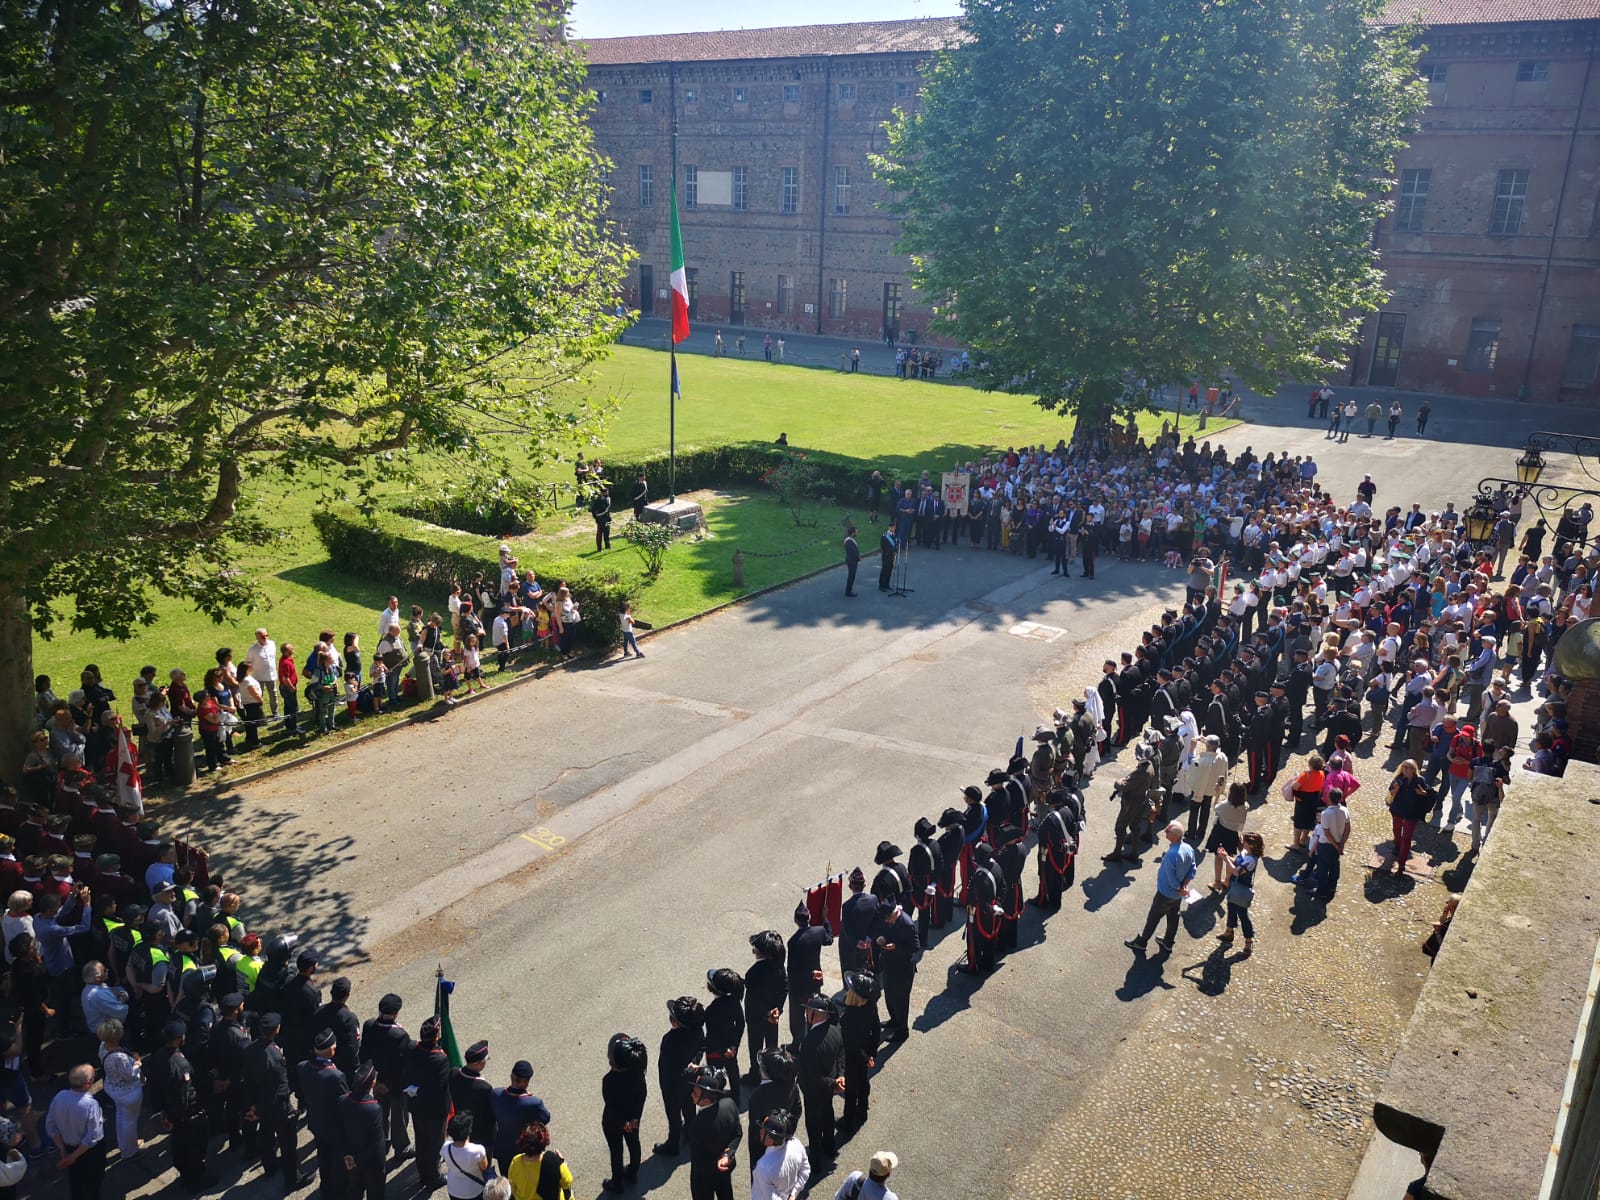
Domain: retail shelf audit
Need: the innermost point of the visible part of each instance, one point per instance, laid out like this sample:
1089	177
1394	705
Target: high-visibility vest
247	968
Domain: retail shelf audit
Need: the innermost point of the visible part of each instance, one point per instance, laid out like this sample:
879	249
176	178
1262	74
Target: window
647	186
1412	201
1433	72
1533	71
1483	347
605	176
847	93
691	186
785	295
789	190
741	180
836	298
1510	198
691	96
841	191
1583	357
600	96
644	95
741	96
791	93
902	90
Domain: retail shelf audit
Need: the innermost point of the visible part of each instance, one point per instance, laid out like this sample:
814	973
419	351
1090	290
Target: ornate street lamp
1530	466
1480	520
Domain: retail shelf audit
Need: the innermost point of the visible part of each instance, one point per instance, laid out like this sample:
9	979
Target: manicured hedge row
845	479
406	552
496	520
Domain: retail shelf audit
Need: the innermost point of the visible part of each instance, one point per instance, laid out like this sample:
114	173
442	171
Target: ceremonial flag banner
129	790
679	280
441	1009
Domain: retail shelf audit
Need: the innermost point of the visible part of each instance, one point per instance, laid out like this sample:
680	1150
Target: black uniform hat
522	1069
626	1052
366	1076
1260	695
887	853
430	1030
686	1010
984	853
768	943
996	777
184	935
340	988
802	914
858	878
134	912
174	1028
924	828
390	1005
777	1125
950	818
819	1003
1010	833
325	1040
713	1080
778	1065
232	1001
477	1052
863	984
725	981
306	958
268	1021
1017	763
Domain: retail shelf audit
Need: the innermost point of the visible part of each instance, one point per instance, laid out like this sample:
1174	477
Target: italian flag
680	277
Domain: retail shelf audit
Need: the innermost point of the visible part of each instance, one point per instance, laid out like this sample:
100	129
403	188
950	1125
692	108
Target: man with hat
923	867
681	1047
806	944
471	1093
820	1074
323	1086
873	1184
229	1043
386	1045
1133	794
856	920
427	1084
896	950
302	997
949	844
1057	847
860	1034
361	1124
782	1169
725	1024
1261	740
892	882
777	1092
983	912
974	823
171	1081
714	1136
766	986
271	1103
336	1016
514	1108
1009	859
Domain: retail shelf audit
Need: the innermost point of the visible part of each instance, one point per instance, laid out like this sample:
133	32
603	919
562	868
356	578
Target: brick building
1493	252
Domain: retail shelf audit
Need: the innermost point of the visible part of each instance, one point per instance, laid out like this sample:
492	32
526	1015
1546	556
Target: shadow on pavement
1145	974
1212	974
1100	890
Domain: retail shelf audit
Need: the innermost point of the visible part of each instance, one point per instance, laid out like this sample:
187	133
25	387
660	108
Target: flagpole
672	379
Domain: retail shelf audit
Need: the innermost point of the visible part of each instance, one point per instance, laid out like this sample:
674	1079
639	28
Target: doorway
1386	346
647	291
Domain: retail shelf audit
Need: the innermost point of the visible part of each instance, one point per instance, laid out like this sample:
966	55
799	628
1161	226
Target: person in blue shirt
1172	885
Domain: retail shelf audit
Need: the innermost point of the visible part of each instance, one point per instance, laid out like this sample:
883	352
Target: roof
1491	12
794	41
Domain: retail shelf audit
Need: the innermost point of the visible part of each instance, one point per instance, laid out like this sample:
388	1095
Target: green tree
1102	191
245	236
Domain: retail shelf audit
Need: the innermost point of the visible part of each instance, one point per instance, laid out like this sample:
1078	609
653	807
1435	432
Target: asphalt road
578	849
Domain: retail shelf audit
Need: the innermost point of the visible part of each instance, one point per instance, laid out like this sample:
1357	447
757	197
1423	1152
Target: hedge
404	552
495	519
845	479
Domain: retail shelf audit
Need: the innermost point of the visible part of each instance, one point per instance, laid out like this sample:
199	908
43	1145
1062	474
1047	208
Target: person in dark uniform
471	1093
623	1092
1057	848
228	1046
302	997
1086	551
923	866
681	1046
852	559
949	845
806	944
1010	857
1261	743
323	1086
820	1074
171	1080
896	950
336	1016
893	881
641	498
860	1034
514	1109
600	510
856	919
886	552
200	1019
974	823
1107	687
427	1083
385	1044
266	1084
1296	689
983	913
766	987
778	1092
714	1136
363	1127
725	1024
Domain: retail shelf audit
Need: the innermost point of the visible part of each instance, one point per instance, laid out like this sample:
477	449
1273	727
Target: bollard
183	756
1201	427
738	568
424	677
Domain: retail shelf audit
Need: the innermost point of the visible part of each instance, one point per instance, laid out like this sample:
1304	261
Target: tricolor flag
441	1009
1219	576
679	280
129	790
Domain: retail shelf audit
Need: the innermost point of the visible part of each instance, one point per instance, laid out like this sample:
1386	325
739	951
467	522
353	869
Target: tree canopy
1099	192
242	235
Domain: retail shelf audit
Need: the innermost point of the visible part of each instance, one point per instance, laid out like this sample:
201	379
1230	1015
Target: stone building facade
1492	254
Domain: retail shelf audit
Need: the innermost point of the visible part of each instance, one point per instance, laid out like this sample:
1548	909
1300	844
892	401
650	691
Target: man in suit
852	560
886	553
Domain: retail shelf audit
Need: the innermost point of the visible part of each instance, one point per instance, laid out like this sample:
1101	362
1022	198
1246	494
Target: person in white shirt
781	1173
389	616
873	1183
263	659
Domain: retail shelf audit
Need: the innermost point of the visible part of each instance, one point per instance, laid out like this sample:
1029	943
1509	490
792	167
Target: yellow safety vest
247	969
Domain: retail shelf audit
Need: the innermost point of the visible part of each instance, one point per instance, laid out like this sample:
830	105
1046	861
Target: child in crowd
380	684
352	693
630	644
472	666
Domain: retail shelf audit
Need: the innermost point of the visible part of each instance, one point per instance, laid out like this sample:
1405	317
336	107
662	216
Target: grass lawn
901	425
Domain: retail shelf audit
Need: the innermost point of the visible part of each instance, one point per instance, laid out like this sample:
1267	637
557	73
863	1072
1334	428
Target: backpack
1483	790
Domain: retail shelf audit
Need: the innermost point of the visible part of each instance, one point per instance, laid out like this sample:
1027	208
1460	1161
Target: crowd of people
1310	622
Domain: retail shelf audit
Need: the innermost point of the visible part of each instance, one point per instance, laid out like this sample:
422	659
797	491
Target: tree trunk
16	684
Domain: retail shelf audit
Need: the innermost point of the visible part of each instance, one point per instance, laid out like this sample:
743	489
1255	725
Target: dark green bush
494	519
745	463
